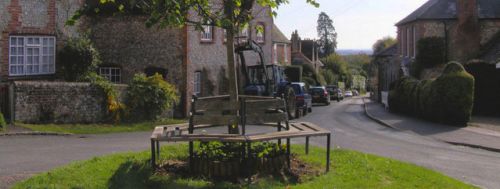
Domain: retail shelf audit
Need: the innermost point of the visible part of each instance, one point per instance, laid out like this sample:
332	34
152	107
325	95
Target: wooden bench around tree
256	111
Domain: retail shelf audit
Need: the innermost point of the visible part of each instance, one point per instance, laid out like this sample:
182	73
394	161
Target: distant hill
354	51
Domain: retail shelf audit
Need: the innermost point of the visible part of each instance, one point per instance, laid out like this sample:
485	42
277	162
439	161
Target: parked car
348	94
335	93
320	95
303	98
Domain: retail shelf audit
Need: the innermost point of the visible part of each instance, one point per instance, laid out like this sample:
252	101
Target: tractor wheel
291	104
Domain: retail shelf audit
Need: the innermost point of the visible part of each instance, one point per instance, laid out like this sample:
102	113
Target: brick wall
59	102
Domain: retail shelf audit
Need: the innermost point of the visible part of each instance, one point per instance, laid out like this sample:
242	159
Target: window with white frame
285	49
275	53
31	55
113	74
225	35
197	83
259	34
244	34
207	33
408	44
414	41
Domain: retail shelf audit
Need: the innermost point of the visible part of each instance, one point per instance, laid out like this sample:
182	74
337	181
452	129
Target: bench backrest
212	111
264	111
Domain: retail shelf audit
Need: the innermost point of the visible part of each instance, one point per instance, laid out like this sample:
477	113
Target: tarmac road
23	156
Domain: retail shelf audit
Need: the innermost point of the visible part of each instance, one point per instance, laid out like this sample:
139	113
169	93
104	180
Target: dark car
303	99
335	93
320	95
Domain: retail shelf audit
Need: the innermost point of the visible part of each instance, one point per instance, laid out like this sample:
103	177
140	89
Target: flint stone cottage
33	30
471	31
469	28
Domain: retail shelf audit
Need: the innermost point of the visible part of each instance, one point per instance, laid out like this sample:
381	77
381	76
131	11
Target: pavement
23	156
478	136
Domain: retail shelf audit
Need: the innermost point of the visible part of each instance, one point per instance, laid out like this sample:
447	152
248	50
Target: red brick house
305	52
282	48
195	61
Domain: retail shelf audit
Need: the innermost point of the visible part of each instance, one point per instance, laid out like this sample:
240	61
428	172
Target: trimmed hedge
3	124
448	99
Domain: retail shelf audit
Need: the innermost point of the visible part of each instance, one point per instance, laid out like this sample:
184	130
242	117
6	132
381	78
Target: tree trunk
233	84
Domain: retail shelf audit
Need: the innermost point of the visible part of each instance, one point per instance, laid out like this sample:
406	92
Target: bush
309	81
116	109
149	97
77	59
448	99
3	124
431	51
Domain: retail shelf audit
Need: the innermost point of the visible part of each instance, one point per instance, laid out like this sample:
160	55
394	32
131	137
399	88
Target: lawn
98	128
350	169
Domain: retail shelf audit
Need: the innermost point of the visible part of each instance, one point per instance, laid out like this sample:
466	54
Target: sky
359	23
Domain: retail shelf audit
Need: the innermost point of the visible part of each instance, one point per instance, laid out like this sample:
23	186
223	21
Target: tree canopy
383	43
327	35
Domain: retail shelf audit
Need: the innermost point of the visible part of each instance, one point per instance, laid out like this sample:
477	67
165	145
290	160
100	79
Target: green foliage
3	124
327	35
77	59
116	109
149	97
309	81
448	99
431	51
383	44
329	77
219	151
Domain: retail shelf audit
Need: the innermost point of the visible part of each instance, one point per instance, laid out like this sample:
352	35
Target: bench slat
265	118
261	106
213	119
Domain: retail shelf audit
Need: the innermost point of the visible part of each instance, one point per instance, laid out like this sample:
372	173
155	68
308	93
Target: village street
23	156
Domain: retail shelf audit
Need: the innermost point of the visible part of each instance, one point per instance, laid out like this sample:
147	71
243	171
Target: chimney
467	31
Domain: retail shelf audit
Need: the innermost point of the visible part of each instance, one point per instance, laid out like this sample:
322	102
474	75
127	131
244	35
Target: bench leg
158	150
191	168
307	145
328	137
153	154
279	130
288	153
248	163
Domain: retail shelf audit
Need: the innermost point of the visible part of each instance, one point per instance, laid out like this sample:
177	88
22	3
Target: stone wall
59	102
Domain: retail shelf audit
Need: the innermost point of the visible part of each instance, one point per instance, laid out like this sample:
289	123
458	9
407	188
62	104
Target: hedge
3	124
448	99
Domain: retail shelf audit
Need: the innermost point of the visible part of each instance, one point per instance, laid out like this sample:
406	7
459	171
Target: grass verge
349	170
98	128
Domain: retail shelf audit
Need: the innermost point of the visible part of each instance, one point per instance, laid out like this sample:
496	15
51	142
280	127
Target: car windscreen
296	88
317	91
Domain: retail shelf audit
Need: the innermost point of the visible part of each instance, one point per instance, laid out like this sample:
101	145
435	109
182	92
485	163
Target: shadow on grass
136	174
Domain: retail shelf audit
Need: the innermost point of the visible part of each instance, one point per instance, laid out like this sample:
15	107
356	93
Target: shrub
454	95
3	124
431	51
448	99
309	81
116	109
77	59
149	97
